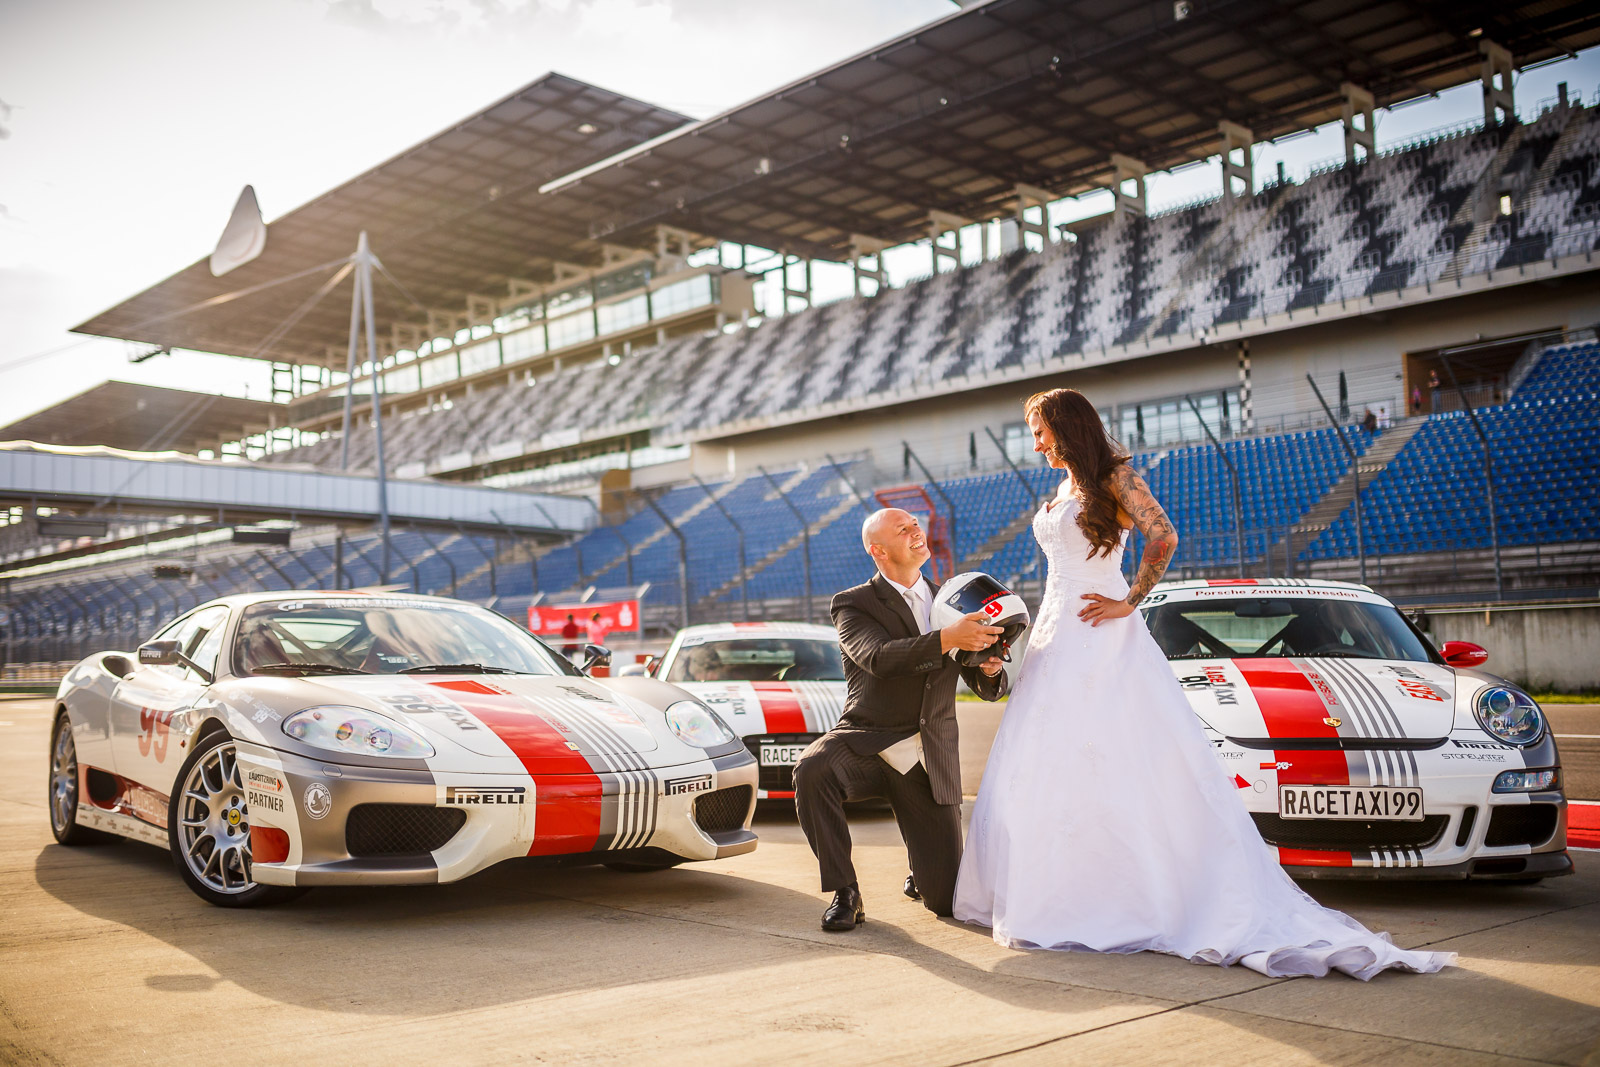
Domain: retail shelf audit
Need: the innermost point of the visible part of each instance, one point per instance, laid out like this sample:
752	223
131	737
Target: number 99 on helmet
975	591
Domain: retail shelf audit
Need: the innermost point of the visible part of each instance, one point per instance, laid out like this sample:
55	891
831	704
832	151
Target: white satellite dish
243	239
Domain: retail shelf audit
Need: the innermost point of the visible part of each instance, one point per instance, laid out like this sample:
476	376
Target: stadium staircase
1475	208
792	546
1373	462
608	572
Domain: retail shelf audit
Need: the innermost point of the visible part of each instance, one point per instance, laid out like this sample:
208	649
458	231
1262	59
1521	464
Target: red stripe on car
566	790
780	707
1291	707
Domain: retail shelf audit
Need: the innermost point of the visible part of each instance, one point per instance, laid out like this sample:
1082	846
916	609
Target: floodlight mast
361	308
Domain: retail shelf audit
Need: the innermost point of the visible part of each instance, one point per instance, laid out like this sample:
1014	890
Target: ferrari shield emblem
1335	723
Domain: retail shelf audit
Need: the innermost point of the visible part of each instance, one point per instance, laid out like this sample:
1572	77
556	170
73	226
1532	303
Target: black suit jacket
900	683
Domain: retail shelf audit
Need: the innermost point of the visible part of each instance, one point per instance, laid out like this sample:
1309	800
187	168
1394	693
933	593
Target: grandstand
727	452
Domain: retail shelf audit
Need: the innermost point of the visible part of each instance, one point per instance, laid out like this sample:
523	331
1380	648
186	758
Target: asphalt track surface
106	958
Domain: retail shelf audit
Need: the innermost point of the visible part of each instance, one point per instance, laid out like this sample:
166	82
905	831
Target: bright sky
127	129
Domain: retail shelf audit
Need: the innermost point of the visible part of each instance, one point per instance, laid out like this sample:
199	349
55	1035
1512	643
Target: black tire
209	795
641	868
65	779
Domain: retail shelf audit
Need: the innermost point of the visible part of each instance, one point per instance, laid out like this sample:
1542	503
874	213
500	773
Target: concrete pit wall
1554	647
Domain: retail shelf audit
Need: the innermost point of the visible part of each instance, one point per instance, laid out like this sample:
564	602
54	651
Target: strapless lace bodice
1073	571
1067	548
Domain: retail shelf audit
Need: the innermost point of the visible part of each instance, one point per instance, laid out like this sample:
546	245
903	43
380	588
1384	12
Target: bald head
872	530
895	541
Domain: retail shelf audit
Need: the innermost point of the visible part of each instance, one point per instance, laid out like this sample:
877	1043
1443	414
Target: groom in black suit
897	738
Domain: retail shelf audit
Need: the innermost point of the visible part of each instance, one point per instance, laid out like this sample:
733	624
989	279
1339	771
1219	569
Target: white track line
1589	737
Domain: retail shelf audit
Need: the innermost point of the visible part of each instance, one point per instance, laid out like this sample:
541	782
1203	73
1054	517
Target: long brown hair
1090	456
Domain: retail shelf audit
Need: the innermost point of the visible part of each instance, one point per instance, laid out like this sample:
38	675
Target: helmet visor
973	595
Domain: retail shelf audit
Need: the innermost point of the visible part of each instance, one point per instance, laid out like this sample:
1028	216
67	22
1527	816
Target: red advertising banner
547	620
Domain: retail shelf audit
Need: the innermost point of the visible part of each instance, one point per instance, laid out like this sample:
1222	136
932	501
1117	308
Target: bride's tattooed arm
1150	519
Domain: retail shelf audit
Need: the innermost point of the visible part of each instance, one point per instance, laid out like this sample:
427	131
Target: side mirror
652	665
1419	619
159	653
167	653
596	660
1464	654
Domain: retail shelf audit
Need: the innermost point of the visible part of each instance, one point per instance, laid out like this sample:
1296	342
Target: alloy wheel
63	779
214	826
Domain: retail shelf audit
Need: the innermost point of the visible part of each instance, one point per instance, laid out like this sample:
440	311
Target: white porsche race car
779	685
1360	750
275	741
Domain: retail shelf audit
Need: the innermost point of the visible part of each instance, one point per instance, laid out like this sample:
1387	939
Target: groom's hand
992	666
971	634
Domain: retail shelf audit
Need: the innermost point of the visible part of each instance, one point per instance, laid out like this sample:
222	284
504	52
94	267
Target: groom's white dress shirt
904	755
918	600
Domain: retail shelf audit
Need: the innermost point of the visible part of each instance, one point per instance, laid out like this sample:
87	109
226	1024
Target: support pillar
1236	138
1358	103
1497	103
939	224
803	293
1127	169
863	248
1247	409
1031	196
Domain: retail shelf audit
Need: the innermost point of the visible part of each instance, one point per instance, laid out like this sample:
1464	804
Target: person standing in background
1434	389
597	629
570	633
1416	400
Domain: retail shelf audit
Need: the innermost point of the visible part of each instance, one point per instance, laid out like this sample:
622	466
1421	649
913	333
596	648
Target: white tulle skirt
1104	823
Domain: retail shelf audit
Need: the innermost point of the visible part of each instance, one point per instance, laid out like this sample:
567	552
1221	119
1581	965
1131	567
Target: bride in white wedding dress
1104	822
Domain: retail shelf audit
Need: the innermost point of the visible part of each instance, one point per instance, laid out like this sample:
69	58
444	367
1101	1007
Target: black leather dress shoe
911	887
845	913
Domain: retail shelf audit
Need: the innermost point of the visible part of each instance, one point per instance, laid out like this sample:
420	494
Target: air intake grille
399	829
722	810
1340	835
1530	824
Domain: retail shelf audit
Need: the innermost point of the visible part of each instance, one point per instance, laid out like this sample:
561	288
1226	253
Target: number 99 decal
154	726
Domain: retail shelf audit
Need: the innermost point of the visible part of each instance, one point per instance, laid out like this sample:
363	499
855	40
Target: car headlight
1508	715
697	725
356	731
1526	781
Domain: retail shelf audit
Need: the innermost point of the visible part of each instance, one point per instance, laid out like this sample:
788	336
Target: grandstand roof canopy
950	117
458	214
143	418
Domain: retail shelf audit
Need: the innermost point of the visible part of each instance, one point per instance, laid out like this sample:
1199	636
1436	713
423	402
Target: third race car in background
1359	749
779	685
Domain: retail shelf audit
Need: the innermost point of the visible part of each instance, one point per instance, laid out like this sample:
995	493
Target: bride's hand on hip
1103	608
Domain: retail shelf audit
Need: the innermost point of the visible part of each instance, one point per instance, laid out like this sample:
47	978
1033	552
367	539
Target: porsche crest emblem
1335	723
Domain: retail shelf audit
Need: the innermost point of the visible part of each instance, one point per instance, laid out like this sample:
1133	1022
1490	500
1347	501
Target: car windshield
759	659
384	636
1282	626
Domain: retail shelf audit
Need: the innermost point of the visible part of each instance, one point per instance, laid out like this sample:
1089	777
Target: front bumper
317	823
1504	836
1493	868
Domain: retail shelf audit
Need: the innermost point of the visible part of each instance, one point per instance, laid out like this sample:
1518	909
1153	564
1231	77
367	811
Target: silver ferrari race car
275	741
1360	750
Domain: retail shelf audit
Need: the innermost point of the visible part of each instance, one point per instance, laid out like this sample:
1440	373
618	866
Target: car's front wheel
208	829
64	779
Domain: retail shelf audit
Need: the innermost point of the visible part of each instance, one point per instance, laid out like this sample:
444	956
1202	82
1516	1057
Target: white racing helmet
976	591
